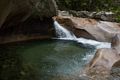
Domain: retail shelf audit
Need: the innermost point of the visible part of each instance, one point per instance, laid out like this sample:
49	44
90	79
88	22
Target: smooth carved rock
90	28
105	59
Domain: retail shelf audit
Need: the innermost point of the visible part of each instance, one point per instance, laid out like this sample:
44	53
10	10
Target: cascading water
63	33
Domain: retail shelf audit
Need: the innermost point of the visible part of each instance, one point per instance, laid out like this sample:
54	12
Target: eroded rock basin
45	60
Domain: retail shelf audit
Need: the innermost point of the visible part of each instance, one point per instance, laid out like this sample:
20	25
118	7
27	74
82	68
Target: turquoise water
42	60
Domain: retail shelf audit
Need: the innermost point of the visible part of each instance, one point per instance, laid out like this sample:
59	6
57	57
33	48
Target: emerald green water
42	60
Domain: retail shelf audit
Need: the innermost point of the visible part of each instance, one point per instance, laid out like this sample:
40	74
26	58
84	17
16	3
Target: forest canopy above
89	5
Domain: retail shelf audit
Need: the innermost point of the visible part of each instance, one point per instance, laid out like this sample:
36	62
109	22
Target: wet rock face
26	18
32	28
116	42
90	28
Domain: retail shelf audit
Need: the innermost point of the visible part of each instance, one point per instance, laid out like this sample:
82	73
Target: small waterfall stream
63	33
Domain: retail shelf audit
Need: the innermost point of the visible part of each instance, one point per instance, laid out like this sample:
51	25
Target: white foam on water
64	34
97	44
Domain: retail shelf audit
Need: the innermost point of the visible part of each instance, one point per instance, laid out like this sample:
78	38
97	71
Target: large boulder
105	59
18	10
90	28
26	19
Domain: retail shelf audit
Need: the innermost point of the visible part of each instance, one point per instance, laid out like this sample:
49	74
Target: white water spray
63	33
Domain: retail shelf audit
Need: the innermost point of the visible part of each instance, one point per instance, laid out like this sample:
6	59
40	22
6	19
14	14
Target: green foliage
118	18
116	10
89	5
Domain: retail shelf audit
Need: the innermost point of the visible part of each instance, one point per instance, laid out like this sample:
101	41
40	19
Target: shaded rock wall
26	19
32	28
21	10
117	64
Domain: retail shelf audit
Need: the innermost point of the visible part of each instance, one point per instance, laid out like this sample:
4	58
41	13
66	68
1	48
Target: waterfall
63	33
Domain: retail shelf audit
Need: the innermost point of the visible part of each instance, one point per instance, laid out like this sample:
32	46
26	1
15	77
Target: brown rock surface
106	58
117	64
90	28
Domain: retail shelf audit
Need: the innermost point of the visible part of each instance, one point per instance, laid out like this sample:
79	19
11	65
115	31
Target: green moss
116	10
